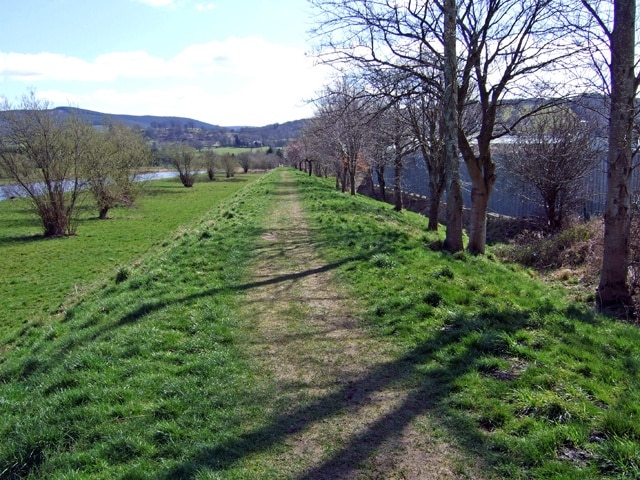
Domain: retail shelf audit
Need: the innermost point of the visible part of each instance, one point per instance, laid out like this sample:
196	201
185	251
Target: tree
503	44
554	152
451	128
182	157
618	49
294	153
111	164
244	160
424	113
43	154
397	135
229	164
210	160
346	114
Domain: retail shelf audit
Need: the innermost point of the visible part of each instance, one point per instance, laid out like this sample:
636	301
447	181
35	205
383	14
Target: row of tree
436	77
188	162
54	159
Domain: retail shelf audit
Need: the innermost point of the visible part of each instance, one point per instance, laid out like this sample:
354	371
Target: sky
225	62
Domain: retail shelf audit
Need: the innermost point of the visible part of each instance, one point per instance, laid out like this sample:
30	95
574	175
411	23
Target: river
16	191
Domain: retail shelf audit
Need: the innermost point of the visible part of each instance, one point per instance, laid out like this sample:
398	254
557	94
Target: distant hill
200	134
140	121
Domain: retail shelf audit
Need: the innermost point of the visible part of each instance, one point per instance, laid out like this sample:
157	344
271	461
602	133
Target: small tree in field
111	164
210	159
229	164
42	153
244	159
182	157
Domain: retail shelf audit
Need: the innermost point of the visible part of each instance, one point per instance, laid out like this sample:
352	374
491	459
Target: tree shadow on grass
428	393
55	354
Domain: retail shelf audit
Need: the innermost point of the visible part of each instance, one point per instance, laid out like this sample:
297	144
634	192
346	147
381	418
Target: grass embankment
144	378
142	372
37	273
537	386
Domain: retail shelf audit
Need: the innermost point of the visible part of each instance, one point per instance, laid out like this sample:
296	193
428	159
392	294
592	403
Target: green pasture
38	274
239	150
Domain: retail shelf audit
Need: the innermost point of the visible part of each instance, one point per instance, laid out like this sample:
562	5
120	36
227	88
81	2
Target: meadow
39	274
141	373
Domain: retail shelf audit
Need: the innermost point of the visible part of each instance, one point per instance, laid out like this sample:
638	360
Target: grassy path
337	411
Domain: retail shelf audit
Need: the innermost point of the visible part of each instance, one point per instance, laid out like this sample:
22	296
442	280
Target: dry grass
573	256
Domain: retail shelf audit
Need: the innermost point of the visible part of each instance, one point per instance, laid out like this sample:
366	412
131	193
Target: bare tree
345	112
182	157
244	160
554	152
111	164
424	113
294	153
321	150
229	164
504	44
378	157
210	160
617	48
394	131
43	154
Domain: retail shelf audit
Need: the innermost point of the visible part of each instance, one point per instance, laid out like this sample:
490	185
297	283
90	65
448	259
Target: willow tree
183	158
112	164
42	152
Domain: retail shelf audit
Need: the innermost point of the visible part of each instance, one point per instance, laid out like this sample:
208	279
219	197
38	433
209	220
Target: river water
16	191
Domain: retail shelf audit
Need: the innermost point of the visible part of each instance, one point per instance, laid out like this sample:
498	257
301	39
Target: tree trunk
352	177
453	237
381	182
102	215
345	177
482	173
613	290
397	178
434	210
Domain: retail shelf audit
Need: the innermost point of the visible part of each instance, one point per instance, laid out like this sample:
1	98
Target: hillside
200	134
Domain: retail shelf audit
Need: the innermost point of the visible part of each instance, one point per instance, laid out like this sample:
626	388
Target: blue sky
227	62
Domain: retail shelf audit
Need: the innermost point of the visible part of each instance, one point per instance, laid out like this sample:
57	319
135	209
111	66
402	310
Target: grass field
239	150
38	274
143	377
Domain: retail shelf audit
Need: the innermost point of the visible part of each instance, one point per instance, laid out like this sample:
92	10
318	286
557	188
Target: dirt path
332	379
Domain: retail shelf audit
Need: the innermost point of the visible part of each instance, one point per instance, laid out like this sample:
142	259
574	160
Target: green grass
38	273
535	385
239	150
144	372
144	377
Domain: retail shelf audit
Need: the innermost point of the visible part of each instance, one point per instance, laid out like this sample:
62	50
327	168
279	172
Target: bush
569	248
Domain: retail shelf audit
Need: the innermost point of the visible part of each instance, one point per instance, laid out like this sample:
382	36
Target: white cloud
156	3
239	56
238	81
203	7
